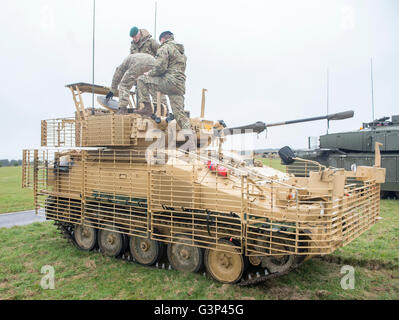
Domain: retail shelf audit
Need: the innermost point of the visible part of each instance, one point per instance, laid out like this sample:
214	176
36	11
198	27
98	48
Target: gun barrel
257	127
335	116
260	126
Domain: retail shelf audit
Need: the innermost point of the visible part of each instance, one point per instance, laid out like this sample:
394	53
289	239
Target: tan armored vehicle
107	185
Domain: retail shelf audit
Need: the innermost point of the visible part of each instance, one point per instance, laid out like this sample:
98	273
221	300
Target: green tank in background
346	149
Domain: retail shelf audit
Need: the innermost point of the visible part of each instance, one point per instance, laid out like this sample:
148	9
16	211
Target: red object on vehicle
213	167
222	171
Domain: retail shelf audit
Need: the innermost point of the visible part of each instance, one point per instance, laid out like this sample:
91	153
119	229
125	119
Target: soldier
142	42
168	77
126	75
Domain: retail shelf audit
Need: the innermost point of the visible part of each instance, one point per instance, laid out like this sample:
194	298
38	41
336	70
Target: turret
363	140
102	127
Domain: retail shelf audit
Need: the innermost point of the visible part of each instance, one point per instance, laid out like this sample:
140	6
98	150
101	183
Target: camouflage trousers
146	85
129	79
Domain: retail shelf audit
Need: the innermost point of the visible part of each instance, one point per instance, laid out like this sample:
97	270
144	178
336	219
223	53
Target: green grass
82	275
12	196
274	163
380	246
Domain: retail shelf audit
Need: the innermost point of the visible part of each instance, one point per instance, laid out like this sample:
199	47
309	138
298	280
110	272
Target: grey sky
259	60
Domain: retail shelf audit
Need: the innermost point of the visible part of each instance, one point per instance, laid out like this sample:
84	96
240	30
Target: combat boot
146	109
122	110
163	111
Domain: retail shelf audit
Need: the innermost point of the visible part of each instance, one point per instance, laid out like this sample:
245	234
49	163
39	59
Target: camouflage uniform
145	45
168	77
128	72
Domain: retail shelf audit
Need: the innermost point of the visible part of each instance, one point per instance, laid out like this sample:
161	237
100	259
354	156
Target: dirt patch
223	288
322	293
30	293
288	293
29	267
91	264
211	294
134	278
369	264
78	276
9	295
5	284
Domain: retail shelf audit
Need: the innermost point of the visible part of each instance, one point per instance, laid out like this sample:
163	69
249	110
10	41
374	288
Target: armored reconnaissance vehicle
356	148
109	186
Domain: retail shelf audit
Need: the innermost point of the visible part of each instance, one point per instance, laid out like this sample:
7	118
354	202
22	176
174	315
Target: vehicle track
252	276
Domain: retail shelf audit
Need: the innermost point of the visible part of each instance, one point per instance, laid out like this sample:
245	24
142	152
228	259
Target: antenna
372	88
203	103
328	98
94	28
155	22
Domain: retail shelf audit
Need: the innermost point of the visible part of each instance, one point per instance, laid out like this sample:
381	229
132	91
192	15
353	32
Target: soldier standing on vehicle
168	77
142	42
126	75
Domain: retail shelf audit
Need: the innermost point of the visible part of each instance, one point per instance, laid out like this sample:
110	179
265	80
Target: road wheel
85	237
111	243
225	266
145	251
279	263
183	256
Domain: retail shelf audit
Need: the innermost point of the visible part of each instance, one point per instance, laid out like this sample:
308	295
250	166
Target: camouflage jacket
145	45
171	62
135	64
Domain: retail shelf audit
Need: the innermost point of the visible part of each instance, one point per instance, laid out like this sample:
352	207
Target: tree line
10	163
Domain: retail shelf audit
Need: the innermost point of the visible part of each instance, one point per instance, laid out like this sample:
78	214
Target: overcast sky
259	60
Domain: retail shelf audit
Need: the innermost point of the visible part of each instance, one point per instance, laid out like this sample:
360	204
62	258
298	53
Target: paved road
8	220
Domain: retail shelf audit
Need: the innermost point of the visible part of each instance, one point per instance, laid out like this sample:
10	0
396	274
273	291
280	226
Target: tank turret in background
346	149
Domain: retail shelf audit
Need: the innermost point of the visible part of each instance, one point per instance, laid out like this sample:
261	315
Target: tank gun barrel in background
260	126
335	116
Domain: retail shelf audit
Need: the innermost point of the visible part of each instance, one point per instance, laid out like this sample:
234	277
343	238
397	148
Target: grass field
274	163
12	196
82	275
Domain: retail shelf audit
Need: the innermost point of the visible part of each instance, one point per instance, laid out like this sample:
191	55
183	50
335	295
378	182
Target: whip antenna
155	22
94	28
328	98
372	88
